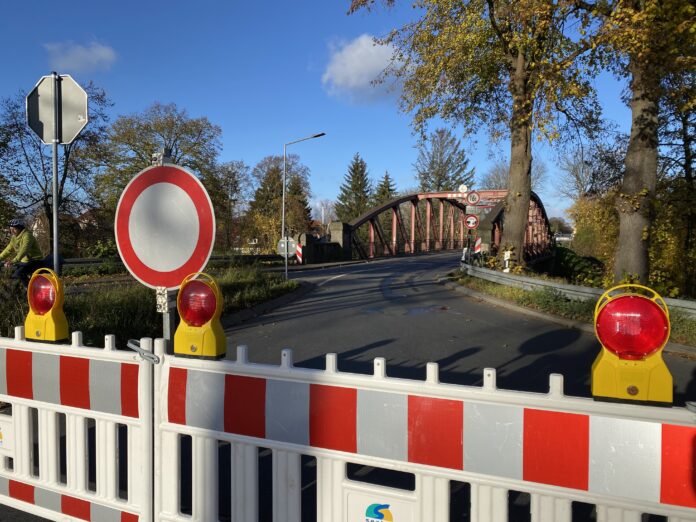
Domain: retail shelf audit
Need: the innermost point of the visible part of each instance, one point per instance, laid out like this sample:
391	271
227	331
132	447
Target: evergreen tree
355	193
442	165
385	191
298	213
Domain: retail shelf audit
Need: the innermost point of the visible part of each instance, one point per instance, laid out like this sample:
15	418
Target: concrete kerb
673	348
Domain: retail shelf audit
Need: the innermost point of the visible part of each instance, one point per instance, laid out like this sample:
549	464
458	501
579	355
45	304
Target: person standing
22	252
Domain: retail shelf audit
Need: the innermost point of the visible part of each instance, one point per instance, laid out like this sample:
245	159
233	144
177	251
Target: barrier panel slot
460	501
186	475
122	460
265	467
91	455
34	442
519	506
381	476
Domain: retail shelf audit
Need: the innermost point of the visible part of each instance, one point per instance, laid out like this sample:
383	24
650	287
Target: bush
129	311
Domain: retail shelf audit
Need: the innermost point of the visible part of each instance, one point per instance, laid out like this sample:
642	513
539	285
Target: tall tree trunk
687	141
519	177
634	203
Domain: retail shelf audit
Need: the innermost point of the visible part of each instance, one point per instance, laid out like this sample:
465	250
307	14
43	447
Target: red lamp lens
42	295
197	303
632	327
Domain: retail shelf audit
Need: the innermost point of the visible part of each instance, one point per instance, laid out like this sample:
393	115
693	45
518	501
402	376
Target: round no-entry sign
165	226
471	221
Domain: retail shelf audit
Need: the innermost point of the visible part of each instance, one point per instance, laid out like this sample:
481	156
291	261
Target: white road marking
331	279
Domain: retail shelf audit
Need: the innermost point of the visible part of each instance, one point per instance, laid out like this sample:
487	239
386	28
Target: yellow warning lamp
199	333
46	320
632	324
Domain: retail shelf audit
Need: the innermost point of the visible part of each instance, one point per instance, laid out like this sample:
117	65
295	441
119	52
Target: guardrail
580	293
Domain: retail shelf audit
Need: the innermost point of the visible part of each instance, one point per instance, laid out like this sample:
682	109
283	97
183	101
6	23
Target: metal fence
570	291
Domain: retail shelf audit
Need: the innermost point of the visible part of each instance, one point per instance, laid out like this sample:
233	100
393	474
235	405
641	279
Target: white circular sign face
471	221
161	212
473	198
165	226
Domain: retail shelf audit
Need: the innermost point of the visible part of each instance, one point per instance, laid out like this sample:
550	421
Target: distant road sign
165	226
471	221
292	247
472	198
72	109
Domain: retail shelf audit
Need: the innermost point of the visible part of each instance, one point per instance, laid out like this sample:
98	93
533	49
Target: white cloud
69	56
355	65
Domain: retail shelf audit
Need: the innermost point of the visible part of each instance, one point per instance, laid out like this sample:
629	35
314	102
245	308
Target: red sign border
190	184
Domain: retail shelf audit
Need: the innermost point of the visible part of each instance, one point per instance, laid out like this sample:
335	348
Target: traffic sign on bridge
165	226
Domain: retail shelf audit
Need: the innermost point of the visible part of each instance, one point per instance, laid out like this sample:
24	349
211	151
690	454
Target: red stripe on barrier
128	517
245	406
19	377
74	382
176	400
435	432
678	485
556	448
332	417
20	491
74	507
129	390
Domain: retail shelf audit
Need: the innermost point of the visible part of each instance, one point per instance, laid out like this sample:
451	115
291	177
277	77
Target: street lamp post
283	236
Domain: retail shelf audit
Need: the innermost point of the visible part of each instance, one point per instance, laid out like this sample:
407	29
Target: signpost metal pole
284	237
56	141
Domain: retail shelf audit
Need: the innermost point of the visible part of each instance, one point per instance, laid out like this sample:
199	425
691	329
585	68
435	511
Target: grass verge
553	302
129	311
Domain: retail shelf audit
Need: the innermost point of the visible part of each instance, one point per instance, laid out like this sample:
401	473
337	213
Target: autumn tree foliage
508	64
264	216
132	140
647	41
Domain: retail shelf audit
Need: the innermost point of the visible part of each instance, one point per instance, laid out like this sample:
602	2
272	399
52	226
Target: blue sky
266	72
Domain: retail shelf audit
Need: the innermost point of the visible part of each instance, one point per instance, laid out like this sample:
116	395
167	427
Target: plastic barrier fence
75	431
566	454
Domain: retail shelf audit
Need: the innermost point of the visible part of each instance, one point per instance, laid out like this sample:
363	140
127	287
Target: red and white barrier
298	254
627	460
72	392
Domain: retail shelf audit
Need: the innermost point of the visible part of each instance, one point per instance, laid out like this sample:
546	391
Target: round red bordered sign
471	221
165	226
473	197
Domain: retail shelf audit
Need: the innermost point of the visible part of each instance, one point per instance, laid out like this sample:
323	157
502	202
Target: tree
27	166
504	63
385	191
592	172
229	186
496	177
355	192
324	211
194	143
560	226
646	41
442	165
264	217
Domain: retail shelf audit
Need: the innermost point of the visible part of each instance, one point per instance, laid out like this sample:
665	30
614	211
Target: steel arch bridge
435	221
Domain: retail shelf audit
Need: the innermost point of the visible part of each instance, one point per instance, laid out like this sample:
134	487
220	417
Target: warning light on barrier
632	324
46	320
200	333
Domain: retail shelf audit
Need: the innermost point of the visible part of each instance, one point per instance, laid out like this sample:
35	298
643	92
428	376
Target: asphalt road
395	309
